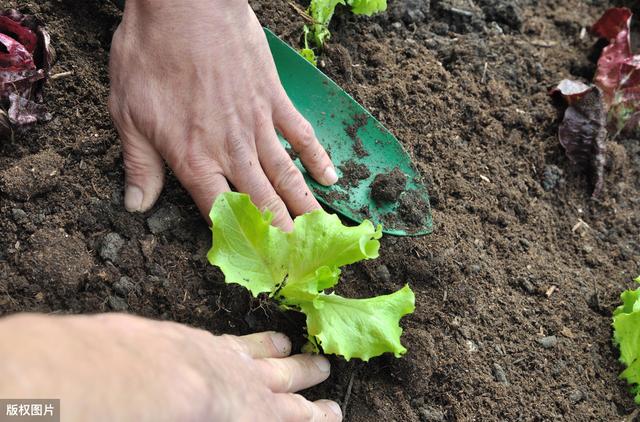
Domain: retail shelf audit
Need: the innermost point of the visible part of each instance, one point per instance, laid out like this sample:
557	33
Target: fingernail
330	176
335	408
133	197
281	343
322	363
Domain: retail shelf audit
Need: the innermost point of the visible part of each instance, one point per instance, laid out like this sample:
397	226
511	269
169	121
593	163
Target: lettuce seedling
307	52
608	107
297	268
626	335
321	12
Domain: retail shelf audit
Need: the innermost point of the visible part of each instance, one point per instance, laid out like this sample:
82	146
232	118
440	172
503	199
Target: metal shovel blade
354	139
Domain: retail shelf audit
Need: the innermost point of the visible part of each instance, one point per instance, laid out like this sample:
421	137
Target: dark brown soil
412	210
388	186
359	120
353	173
509	262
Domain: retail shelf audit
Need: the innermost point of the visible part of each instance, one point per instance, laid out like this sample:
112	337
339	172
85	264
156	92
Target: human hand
116	367
194	82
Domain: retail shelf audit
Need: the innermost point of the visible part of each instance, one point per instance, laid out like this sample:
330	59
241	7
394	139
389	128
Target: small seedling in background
320	13
307	52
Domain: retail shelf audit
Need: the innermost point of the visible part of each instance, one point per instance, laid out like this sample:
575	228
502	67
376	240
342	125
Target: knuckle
282	104
193	167
263	120
240	152
116	108
284	378
273	203
316	159
190	164
112	106
232	343
134	162
288	177
305	408
307	137
196	163
237	145
121	114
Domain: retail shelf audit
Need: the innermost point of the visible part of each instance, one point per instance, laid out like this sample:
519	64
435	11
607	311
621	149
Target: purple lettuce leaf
583	130
26	57
608	107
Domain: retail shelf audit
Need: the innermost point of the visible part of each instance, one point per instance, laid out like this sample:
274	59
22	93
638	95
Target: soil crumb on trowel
359	120
388	186
411	211
331	195
353	173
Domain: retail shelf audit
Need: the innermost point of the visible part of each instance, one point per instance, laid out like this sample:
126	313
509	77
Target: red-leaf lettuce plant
608	107
26	57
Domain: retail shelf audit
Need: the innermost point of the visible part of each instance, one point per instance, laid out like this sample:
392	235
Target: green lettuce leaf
368	7
626	335
360	328
247	249
308	54
320	244
296	267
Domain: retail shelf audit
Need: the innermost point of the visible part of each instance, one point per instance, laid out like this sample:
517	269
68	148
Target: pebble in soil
548	342
552	176
124	286
165	218
111	245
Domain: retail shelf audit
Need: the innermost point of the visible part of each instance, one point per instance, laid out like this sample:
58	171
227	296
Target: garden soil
514	288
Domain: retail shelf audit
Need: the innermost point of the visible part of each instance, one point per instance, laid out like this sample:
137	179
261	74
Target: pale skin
113	367
193	85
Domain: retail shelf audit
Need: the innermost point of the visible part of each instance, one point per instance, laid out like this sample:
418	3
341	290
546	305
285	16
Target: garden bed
515	287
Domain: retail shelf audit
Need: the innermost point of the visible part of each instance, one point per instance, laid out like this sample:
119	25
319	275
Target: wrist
146	19
161	6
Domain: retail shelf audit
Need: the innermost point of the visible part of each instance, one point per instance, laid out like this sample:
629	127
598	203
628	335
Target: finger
265	345
253	181
203	180
284	175
294	373
143	171
295	408
299	133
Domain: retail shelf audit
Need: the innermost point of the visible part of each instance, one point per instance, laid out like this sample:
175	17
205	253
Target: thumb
144	173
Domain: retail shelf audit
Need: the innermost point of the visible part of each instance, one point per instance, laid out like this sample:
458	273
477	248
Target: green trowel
353	138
